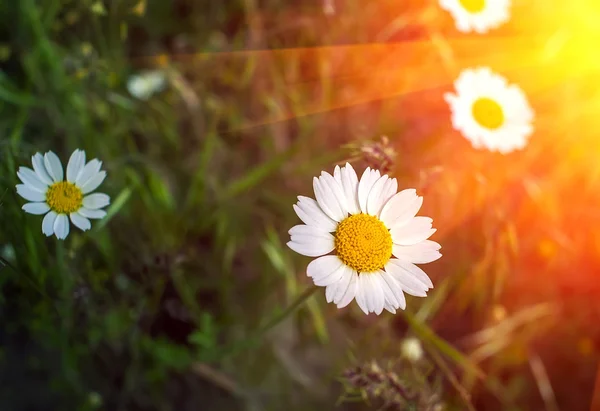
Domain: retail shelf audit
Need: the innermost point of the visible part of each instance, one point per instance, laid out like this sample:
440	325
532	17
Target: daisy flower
60	199
142	86
489	112
477	15
367	240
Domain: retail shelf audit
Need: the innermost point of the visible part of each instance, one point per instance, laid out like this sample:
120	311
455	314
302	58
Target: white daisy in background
477	15
489	112
145	84
63	199
374	235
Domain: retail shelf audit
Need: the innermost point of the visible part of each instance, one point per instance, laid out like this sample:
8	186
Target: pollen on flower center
473	6
64	197
363	243
488	113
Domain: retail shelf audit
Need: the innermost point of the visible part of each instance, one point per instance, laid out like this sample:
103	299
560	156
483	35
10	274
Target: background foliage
155	307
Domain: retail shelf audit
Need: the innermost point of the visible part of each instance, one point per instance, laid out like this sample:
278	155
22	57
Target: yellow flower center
488	113
64	197
473	6
363	243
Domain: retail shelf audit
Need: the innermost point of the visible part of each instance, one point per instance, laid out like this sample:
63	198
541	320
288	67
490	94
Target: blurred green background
156	307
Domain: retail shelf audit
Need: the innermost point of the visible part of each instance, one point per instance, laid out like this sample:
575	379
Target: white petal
330	197
322	273
349	181
388	292
96	214
93	182
80	221
96	200
416	230
390	308
61	226
401	207
40	169
36	208
308	230
389	190
398	300
312	249
420	253
75	165
53	166
330	291
375	199
364	187
31	179
406	278
377	297
48	223
29	193
89	171
311	214
350	293
342	285
361	291
307	236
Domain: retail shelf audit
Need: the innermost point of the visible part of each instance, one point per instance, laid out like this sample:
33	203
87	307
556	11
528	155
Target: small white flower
477	15
144	85
489	112
374	235
411	349
61	199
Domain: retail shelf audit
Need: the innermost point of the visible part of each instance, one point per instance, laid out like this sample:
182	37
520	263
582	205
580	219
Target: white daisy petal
48	223
80	221
323	267
31	179
389	190
61	226
350	292
398	300
420	253
29	193
414	231
330	196
377	294
375	197
349	181
333	278
414	271
365	185
312	249
88	172
401	208
40	169
94	182
96	200
409	277
361	293
308	230
36	208
53	166
311	214
343	285
390	308
75	165
94	214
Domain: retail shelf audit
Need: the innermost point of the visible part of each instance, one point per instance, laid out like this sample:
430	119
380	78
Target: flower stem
257	336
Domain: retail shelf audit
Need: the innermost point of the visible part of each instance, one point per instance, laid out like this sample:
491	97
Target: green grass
161	306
